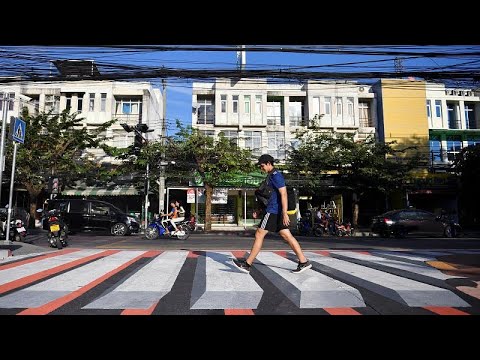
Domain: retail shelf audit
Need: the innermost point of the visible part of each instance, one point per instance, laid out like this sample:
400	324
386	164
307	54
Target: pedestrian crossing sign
18	130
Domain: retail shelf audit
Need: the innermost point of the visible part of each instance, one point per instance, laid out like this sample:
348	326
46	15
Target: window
128	106
276	144
470	116
274	113
436	148
11	103
429	114
247	104
206	110
80	103
235	104
253	141
91	103
258	104
231	135
364	114
454	145
121	138
328	104
453	122
438	108
68	104
52	103
350	106
473	140
223	102
316	107
295	111
339	106
103	102
209	133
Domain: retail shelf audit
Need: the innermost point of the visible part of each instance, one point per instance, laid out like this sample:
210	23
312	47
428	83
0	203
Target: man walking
275	219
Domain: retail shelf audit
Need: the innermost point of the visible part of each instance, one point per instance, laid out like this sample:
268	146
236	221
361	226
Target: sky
25	60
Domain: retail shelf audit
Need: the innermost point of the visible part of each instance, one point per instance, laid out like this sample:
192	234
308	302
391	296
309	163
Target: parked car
414	221
94	215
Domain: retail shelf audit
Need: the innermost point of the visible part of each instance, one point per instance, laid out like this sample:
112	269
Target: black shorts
272	222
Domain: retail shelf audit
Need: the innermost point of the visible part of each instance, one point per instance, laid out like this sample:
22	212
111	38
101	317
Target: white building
454	121
96	102
263	116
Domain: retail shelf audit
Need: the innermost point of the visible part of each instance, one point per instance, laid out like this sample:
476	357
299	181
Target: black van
94	215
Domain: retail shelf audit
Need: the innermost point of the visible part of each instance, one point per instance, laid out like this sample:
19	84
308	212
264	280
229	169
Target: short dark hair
265	158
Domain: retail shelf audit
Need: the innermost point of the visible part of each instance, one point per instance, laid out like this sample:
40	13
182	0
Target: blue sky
179	90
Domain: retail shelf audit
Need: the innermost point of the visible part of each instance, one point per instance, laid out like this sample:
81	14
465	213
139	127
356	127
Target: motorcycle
17	228
57	229
162	227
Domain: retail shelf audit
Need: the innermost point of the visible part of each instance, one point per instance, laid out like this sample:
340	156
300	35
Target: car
94	215
414	221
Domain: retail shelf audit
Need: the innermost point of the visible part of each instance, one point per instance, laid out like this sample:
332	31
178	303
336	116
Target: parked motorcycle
57	229
158	227
17	228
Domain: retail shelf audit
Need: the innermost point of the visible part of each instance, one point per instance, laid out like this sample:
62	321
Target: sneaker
302	267
242	265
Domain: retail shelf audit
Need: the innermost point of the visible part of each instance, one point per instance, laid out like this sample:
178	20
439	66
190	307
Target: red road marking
445	310
362	252
281	253
55	304
341	311
42	274
239	254
239	312
323	252
38	258
148	311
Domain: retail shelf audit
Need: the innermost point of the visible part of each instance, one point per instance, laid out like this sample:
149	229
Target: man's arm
284	198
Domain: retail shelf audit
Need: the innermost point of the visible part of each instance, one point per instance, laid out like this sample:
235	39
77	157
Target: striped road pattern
341	282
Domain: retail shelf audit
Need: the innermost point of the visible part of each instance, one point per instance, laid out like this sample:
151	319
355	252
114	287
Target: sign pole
10	197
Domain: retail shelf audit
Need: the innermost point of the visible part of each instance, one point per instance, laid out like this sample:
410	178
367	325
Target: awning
96	191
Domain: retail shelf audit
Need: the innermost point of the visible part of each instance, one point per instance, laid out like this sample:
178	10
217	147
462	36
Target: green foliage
216	160
467	166
359	165
55	144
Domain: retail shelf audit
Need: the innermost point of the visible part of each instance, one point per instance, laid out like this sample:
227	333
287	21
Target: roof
77	68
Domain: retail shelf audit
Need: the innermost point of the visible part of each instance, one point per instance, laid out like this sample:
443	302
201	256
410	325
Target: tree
216	160
358	165
55	146
467	166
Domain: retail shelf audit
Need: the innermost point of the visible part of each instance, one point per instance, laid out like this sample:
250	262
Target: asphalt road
105	275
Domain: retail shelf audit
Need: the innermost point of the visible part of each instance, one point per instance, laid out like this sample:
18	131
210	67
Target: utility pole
5	105
161	185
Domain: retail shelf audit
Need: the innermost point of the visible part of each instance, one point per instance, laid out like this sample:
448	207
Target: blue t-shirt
276	181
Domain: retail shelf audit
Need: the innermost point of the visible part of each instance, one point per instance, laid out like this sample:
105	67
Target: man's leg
293	243
257	245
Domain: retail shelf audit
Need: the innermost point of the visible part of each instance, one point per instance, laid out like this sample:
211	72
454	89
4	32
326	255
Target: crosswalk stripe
308	289
399	289
146	286
28	273
404	255
61	285
413	268
219	285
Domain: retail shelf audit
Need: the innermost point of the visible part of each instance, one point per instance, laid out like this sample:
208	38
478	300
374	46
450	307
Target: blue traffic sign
19	128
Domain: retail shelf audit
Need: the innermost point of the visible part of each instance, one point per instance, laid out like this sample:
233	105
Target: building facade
95	102
264	116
